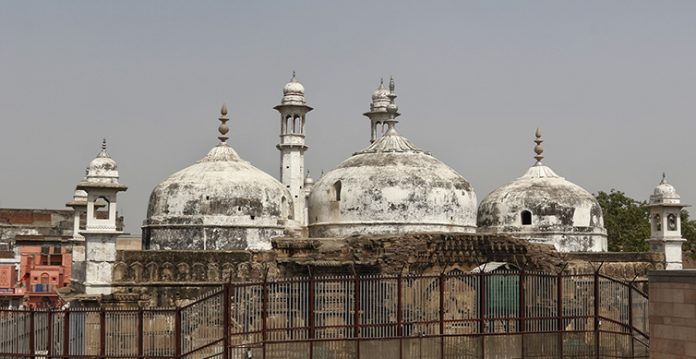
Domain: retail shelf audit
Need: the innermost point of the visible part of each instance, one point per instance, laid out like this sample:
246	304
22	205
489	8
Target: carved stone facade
164	278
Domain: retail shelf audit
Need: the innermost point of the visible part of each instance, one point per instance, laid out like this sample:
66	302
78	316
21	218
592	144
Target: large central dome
220	202
391	187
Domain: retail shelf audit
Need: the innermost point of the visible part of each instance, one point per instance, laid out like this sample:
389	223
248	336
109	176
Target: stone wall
672	314
163	278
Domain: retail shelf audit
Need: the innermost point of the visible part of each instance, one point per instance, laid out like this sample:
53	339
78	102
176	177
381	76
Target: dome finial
538	149
664	178
293	79
223	125
391	85
104	143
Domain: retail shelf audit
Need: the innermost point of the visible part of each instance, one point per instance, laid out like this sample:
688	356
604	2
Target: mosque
223	203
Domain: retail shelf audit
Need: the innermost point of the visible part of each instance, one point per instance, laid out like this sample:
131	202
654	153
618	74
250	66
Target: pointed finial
293	77
664	178
381	82
391	84
223	125
538	149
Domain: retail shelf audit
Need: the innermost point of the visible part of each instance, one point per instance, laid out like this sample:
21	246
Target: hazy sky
612	84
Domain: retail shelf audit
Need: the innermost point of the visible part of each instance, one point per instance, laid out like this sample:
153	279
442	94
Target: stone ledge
672	276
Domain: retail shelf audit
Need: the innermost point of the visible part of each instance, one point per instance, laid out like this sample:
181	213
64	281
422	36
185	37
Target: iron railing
454	315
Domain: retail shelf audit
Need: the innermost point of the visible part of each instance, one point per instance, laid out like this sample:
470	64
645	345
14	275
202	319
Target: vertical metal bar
141	333
177	333
399	315
442	314
630	315
482	312
226	321
31	333
49	342
102	333
559	308
596	314
356	314
522	309
264	316
311	316
66	332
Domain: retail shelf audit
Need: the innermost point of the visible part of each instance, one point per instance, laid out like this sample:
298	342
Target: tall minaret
102	186
293	109
378	114
665	223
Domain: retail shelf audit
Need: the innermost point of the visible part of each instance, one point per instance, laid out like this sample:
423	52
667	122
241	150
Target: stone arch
120	272
167	272
183	272
136	269
151	272
198	272
228	271
213	272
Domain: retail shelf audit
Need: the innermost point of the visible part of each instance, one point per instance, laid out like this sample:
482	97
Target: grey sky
612	84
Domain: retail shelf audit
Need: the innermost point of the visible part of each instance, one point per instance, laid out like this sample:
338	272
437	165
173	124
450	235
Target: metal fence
454	315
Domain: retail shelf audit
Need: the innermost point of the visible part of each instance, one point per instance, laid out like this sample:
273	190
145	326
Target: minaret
79	206
293	109
665	223
379	115
102	186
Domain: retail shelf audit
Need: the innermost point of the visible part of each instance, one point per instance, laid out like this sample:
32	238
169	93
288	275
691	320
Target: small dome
308	181
80	195
381	93
293	88
544	207
665	193
102	169
391	187
293	93
220	202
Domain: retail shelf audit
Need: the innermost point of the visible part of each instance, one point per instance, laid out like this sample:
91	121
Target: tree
628	225
626	222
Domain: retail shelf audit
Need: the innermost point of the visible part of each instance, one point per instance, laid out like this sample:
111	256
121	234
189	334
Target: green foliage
688	227
626	221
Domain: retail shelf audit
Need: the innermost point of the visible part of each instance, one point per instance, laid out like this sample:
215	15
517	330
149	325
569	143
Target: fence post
399	314
311	315
522	309
264	315
482	311
226	303
141	333
630	315
66	332
102	332
177	333
31	333
49	342
559	309
442	313
356	313
596	314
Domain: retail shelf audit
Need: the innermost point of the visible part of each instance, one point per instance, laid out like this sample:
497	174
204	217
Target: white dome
665	193
102	169
391	187
293	93
220	202
544	207
293	88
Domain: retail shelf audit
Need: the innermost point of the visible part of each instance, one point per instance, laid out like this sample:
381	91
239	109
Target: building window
672	222
337	190
101	208
658	223
526	218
